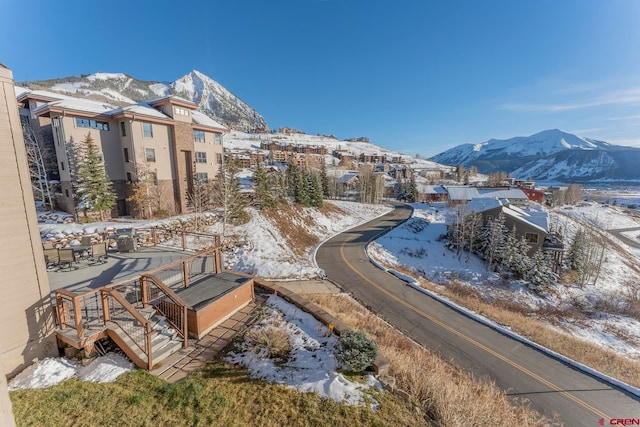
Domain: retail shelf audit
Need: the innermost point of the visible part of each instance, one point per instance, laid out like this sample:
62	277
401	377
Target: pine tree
494	241
315	192
264	190
94	186
540	274
324	180
412	190
576	252
521	263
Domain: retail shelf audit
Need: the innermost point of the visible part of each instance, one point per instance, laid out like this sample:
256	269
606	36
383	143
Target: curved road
552	386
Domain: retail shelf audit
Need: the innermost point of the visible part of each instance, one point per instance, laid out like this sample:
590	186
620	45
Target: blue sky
416	76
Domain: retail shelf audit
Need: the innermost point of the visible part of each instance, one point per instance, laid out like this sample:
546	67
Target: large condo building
164	142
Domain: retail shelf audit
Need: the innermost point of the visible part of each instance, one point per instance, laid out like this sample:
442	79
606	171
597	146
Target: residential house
530	223
165	142
515	195
431	193
461	195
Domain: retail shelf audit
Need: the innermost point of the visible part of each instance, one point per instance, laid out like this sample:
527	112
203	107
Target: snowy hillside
237	140
212	98
551	155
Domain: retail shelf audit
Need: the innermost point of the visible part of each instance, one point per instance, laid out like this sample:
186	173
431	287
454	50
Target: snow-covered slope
237	140
212	98
550	155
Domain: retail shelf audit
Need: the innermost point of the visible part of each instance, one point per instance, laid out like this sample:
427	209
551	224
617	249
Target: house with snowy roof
528	222
431	193
165	142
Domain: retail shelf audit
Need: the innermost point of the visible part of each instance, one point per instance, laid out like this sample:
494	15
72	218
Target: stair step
163	344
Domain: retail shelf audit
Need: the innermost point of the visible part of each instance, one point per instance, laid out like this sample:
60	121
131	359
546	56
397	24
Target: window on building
62	166
201	157
126	154
218	138
153	178
219	158
123	129
531	237
202	176
198	135
150	154
66	192
90	123
129	177
182	111
147	130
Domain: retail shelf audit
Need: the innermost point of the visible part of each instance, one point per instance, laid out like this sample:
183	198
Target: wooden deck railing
119	311
155	293
87	312
159	236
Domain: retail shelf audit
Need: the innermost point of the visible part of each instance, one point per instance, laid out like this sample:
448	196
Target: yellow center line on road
470	340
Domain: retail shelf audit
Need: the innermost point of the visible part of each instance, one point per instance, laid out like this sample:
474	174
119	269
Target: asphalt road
552	386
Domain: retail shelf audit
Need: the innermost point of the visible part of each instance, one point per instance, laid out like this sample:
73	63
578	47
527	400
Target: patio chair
85	240
99	253
51	257
66	256
47	244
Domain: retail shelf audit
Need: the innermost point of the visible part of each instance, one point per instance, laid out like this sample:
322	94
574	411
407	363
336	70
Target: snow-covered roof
430	189
204	120
482	204
537	218
171	97
23	92
141	108
78	104
347	177
462	193
507	193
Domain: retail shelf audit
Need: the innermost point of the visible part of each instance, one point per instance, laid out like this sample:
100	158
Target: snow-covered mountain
212	98
550	155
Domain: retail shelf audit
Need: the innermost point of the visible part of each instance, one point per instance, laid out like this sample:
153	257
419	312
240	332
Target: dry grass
445	392
274	340
521	322
219	395
297	238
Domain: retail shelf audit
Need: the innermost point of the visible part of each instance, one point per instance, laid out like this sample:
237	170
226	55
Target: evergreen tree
315	192
301	188
94	186
577	252
264	190
324	180
494	241
540	274
521	263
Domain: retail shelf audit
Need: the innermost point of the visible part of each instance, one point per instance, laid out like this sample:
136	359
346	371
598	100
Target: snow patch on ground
51	371
312	366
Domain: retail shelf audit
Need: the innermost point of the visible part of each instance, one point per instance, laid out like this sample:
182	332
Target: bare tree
586	255
573	194
39	175
496	179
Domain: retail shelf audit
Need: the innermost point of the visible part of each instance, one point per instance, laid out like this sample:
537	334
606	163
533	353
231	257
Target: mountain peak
212	98
551	154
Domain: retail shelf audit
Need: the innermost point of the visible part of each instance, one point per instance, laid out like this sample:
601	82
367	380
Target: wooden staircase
164	339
